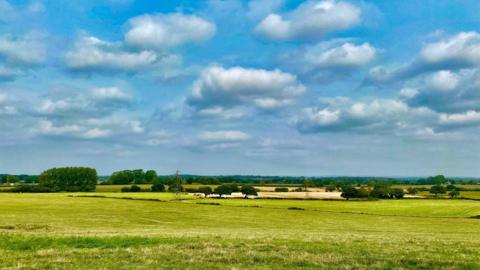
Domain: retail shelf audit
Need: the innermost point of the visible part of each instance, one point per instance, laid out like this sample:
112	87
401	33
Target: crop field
58	231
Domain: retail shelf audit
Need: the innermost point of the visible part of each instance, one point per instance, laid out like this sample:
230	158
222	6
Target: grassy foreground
55	231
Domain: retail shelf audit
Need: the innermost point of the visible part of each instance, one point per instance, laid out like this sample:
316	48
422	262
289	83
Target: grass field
57	231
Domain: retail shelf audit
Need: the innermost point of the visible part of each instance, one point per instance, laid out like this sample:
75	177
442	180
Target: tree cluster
71	179
377	192
127	177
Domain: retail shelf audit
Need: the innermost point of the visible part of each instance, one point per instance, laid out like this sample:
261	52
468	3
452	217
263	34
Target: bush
351	192
454	193
281	189
380	192
330	188
158	187
29	189
437	189
133	188
69	179
397	193
412	190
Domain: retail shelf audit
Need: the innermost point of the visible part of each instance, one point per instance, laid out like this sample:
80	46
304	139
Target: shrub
351	192
158	187
29	189
412	190
330	188
281	189
437	189
454	193
69	179
135	188
397	193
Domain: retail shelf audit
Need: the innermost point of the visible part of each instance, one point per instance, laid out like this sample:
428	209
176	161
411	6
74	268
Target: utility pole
178	182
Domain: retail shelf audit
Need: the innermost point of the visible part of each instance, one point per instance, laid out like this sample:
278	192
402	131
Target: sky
260	87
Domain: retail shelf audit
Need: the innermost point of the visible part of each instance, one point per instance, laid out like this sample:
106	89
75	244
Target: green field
58	231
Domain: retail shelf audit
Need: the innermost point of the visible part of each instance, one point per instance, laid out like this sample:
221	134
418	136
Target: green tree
412	190
176	185
158	186
248	190
10	179
151	176
330	188
397	193
206	190
69	179
223	190
437	189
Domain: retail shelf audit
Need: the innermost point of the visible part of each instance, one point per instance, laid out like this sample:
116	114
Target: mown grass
407	207
54	231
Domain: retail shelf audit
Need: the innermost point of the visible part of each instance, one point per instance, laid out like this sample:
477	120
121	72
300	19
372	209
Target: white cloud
460	118
95	102
408	92
444	80
224	136
227	88
328	55
344	114
163	31
109	93
48	128
90	53
312	19
460	49
24	50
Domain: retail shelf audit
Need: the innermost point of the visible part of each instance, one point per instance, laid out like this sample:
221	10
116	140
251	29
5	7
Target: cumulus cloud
347	55
449	92
26	50
443	80
310	20
344	114
456	52
217	140
460	118
164	31
92	54
462	49
224	136
94	103
220	88
46	127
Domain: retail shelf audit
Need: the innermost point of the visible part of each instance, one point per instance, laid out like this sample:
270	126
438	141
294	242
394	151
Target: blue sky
272	87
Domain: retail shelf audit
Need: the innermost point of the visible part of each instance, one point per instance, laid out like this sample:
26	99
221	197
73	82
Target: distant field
55	231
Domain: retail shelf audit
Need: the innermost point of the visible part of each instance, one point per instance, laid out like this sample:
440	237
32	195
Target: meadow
164	231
